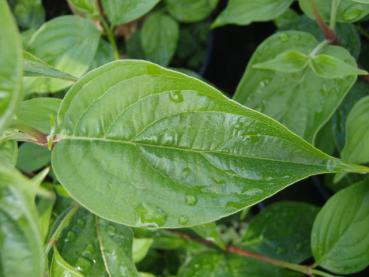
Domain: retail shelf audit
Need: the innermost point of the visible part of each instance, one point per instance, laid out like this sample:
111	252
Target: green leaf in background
244	12
36	113
290	61
190	10
104	54
21	243
140	248
348	10
120	12
219	265
329	67
134	46
149	150
33	66
68	44
302	101
32	157
339	240
10	66
45	209
96	247
357	133
362	1
8	152
85	7
29	13
59	267
282	231
159	38
339	119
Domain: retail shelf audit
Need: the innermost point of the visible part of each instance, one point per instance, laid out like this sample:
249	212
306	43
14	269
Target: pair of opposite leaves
145	146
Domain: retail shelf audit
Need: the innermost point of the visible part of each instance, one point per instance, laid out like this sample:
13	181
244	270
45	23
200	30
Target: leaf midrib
196	151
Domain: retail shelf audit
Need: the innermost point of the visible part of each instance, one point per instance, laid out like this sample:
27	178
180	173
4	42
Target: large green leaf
282	231
155	147
59	267
339	240
120	12
10	66
8	152
348	10
20	237
159	38
96	247
357	133
302	101
67	43
244	12
191	10
36	113
219	265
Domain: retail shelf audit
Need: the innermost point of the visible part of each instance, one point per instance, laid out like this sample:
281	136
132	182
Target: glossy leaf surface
96	247
282	231
120	12
67	43
59	267
284	95
243	12
20	238
159	38
190	10
149	150
357	133
348	10
339	240
10	66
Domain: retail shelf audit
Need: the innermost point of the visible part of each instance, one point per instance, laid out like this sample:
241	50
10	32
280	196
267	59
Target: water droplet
264	83
283	37
183	220
150	215
89	252
191	200
176	96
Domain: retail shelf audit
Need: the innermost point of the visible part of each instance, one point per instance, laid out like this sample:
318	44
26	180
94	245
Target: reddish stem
328	33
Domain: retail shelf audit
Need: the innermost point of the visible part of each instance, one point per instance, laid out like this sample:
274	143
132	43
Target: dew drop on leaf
183	220
191	200
284	37
150	216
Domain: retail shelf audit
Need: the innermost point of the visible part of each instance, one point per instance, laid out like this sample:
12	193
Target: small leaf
120	12
348	10
243	12
21	243
140	248
329	67
59	267
33	66
289	61
159	38
32	157
36	113
357	133
339	239
29	13
66	43
10	66
157	132
85	7
302	101
191	10
282	231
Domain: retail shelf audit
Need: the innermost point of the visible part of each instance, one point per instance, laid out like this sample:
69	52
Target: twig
328	33
308	270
